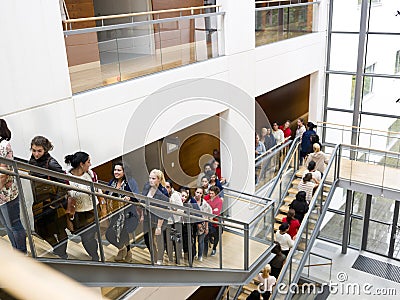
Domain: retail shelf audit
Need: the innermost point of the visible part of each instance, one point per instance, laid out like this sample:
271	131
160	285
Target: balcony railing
367	137
110	49
247	232
281	20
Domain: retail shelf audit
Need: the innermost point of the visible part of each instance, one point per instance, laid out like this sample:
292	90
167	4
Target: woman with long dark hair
83	216
49	224
9	200
128	216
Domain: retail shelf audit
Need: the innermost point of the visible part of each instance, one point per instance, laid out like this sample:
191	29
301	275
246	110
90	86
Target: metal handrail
286	5
275	149
304	223
156	205
140	23
356	127
144	13
285	163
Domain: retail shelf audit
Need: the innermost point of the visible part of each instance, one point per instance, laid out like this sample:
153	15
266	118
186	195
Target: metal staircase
240	253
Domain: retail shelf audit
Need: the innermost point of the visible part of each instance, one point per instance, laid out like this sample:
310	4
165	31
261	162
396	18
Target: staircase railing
306	235
269	163
252	249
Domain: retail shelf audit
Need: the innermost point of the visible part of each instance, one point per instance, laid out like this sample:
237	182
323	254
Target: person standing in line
318	157
173	233
188	202
277	133
259	147
316	175
268	281
307	186
207	168
152	190
83	216
278	261
128	217
216	204
306	146
287	132
299	205
300	128
294	224
269	140
49	224
9	199
202	228
284	239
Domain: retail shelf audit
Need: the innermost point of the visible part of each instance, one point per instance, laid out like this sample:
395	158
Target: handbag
71	206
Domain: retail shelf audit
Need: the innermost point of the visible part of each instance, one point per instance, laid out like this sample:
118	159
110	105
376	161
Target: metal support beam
358	92
346	223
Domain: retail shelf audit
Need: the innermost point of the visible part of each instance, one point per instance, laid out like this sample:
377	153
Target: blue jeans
201	244
10	218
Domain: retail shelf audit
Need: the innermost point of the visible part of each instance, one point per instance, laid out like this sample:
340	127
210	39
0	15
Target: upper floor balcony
278	20
109	49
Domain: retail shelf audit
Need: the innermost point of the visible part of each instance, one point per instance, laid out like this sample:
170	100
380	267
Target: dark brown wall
288	102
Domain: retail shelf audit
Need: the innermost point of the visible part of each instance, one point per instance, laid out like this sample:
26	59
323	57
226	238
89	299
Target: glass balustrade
114	232
281	20
100	56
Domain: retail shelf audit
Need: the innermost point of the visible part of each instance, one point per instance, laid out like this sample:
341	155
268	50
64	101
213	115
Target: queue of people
58	211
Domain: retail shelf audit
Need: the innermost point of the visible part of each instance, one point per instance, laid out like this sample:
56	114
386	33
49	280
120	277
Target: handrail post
220	241
190	243
246	246
24	210
97	222
150	234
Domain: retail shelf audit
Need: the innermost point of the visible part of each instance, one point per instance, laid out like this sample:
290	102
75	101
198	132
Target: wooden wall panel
288	102
180	36
82	48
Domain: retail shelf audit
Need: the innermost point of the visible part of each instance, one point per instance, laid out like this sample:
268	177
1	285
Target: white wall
36	82
32	55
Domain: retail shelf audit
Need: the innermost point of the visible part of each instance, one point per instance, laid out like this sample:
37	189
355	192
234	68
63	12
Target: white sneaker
159	262
200	258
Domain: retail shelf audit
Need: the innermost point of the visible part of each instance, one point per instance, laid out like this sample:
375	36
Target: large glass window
346	10
380	139
343	52
383	16
340	92
383	99
397	62
383	49
334	134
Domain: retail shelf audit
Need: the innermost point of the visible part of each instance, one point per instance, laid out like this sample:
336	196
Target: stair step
248	288
279	217
284	209
276	226
288	199
293	191
296	182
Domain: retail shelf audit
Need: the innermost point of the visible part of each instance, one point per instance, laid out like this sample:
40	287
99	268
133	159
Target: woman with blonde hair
152	189
318	157
267	282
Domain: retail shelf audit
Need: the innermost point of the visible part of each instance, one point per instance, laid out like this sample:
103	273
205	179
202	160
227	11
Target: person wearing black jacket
49	200
300	205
